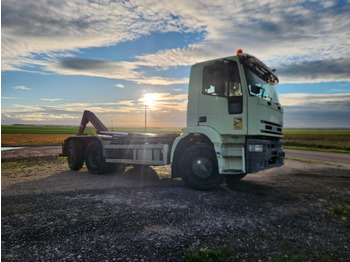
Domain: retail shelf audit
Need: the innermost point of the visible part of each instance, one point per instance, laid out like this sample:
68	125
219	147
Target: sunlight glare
149	98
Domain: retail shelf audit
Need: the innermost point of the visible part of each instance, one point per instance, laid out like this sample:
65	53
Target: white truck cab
233	107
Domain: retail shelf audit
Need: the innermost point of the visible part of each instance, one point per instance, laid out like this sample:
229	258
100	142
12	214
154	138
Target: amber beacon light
239	52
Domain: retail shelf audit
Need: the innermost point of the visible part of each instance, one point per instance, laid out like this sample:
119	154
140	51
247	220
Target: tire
199	168
233	179
75	155
94	160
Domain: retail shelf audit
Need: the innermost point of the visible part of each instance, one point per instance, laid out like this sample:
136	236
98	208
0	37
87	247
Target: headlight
256	148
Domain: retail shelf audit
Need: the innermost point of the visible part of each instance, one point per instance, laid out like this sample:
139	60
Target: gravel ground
50	213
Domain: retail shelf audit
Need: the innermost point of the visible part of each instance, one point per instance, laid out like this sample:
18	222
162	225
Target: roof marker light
239	52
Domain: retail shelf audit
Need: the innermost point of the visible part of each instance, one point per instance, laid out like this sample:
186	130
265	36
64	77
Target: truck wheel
75	155
199	168
233	179
94	159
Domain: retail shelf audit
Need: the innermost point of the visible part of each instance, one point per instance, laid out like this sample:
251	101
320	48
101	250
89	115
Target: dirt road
320	156
292	213
32	151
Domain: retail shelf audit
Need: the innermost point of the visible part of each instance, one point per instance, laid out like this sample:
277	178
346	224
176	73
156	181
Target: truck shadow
259	192
141	174
138	177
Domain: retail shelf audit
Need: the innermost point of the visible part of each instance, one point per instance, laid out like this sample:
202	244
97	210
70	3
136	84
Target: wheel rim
202	167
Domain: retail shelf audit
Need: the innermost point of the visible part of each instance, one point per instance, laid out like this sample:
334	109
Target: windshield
260	88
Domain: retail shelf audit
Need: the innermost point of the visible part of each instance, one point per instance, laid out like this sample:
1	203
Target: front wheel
199	168
94	160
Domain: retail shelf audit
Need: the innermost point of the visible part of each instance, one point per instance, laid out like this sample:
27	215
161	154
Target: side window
222	79
213	80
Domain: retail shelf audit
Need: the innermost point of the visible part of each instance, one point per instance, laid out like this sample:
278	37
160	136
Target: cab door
222	101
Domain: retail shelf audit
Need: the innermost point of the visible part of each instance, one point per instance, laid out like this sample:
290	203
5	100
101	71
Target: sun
149	99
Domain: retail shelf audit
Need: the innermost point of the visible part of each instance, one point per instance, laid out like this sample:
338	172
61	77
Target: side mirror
255	89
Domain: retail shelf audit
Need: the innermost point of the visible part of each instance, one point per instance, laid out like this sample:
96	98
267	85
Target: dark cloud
345	106
316	110
83	64
335	69
20	18
306	29
269	27
316	119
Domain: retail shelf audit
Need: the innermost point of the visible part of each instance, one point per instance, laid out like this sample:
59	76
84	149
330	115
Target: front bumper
263	154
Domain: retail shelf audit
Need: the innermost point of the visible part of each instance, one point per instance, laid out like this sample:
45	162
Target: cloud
280	33
315	71
327	101
54	27
44	117
21	87
156	80
109	69
316	110
119	85
316	119
84	64
166	102
51	99
337	90
168	108
8	97
165	59
36	34
90	67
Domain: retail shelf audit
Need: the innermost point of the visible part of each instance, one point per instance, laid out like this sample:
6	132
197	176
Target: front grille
271	128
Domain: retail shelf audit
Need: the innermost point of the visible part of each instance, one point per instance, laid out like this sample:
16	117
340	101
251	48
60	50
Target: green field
320	140
19	129
29	129
26	135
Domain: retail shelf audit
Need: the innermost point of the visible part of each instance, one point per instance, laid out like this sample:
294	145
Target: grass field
320	140
51	135
32	139
55	130
17	135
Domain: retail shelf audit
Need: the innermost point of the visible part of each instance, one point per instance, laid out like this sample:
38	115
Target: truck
234	127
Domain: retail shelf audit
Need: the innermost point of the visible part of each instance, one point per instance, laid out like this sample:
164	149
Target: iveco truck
234	127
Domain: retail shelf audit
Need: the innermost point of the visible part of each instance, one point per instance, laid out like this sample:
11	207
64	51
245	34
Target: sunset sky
60	57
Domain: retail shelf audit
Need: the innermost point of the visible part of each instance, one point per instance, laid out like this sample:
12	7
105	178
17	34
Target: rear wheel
199	168
75	155
94	160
